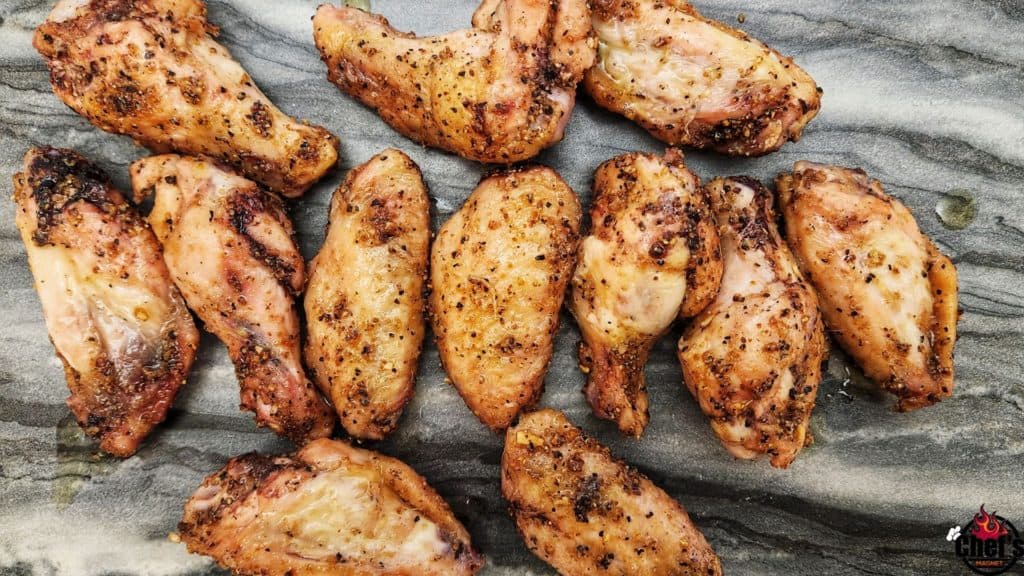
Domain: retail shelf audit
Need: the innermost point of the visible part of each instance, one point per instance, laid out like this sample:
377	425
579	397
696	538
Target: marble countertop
928	97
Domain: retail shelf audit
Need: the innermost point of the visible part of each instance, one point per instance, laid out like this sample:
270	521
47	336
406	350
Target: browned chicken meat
115	318
586	513
753	358
499	268
150	69
329	509
888	295
364	302
691	81
500	92
230	249
652	253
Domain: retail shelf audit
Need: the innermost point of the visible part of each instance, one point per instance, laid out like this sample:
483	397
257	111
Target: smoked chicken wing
329	509
586	513
499	92
652	246
115	318
499	268
151	69
230	249
364	302
888	295
753	357
690	81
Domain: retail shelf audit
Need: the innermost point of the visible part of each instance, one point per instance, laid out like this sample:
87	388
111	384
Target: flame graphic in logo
987	526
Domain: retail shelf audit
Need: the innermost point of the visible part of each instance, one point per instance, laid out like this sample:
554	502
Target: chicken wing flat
115	318
329	509
230	249
500	92
499	268
753	358
652	246
690	81
150	69
888	295
585	513
364	302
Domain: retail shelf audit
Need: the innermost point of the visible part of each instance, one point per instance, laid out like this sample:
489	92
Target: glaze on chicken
888	295
752	359
500	92
364	302
150	69
117	322
229	246
586	513
329	509
652	253
499	269
690	81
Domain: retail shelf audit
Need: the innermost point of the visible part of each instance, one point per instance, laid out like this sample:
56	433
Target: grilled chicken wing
500	92
753	357
585	513
364	302
230	249
499	268
150	69
329	509
888	295
691	81
115	318
652	246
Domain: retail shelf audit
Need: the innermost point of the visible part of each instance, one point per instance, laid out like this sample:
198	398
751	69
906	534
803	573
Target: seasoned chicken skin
499	268
115	318
329	509
753	358
586	513
888	295
500	92
690	81
364	302
151	69
652	246
230	249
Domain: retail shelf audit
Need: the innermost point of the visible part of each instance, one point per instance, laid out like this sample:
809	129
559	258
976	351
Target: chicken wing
753	358
888	295
230	249
499	268
115	318
585	513
329	509
690	81
150	69
500	92
364	302
652	246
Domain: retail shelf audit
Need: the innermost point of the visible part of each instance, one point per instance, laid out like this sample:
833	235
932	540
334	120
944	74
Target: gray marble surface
928	97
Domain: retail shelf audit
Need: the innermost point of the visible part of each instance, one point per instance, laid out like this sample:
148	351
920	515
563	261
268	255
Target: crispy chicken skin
690	81
329	509
151	69
499	268
888	295
119	325
230	249
499	92
586	513
364	301
753	358
652	246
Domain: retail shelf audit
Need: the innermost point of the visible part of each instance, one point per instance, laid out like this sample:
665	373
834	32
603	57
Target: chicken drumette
150	69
